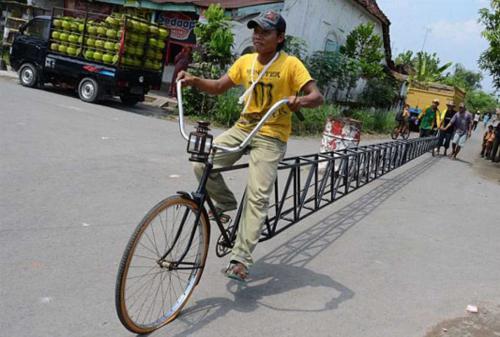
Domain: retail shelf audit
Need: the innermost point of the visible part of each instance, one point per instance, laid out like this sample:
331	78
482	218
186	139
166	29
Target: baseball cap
435	100
450	103
269	20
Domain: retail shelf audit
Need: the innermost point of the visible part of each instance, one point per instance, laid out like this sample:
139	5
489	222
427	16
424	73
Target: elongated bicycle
165	257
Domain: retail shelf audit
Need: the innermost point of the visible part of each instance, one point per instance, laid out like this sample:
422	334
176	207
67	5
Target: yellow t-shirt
286	76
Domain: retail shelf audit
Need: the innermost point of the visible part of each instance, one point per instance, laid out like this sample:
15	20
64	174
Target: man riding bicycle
402	119
268	76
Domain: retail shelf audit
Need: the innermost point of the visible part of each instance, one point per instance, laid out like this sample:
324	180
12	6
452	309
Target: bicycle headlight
200	142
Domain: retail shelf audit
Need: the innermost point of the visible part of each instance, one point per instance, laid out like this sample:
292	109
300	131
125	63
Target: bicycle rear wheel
395	133
406	133
152	290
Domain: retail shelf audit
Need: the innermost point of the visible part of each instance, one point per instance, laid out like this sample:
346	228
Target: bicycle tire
395	133
406	133
146	232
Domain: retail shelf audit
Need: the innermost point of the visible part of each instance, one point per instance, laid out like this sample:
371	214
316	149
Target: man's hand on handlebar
294	103
187	78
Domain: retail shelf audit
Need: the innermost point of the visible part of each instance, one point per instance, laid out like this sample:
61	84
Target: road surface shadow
284	268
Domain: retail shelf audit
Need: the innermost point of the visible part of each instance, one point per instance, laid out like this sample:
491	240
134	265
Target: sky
453	30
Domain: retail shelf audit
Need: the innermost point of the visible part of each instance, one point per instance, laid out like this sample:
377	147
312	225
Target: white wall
313	21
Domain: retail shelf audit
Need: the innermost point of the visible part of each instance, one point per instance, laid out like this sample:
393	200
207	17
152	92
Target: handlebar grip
300	116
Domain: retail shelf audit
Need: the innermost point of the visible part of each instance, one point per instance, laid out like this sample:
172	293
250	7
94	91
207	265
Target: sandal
237	271
223	218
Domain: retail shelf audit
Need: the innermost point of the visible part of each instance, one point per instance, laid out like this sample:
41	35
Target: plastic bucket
340	133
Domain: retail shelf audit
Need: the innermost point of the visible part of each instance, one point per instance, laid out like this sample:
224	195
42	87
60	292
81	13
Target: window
331	43
38	28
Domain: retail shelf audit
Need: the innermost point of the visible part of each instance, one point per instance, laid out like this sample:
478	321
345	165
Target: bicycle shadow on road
284	269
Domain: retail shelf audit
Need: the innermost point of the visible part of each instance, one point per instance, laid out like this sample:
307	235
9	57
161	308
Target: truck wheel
129	100
88	90
28	75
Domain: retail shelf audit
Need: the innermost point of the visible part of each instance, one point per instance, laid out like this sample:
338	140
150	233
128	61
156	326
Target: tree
479	100
211	57
490	58
333	69
463	78
428	68
380	93
296	46
365	47
405	61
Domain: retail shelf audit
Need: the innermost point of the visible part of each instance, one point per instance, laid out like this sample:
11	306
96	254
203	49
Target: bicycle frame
345	171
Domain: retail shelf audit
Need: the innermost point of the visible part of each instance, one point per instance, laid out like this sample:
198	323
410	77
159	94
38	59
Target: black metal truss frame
317	180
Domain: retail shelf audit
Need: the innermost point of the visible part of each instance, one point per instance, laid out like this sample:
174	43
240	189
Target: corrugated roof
227	4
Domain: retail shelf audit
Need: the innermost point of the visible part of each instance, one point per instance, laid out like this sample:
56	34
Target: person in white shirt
477	115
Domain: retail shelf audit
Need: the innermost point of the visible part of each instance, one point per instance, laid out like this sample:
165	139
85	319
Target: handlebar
245	142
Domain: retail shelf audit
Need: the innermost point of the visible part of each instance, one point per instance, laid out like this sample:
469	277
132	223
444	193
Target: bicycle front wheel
161	265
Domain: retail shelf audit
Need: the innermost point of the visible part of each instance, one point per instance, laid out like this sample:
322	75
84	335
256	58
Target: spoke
145	257
148	249
137	300
164	228
144	302
154	240
147	274
149	239
162	308
151	310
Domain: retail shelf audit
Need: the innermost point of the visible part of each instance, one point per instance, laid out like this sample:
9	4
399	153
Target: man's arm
469	131
213	87
312	97
452	122
422	114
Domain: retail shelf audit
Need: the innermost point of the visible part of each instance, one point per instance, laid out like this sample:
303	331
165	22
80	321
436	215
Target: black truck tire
89	90
28	75
129	100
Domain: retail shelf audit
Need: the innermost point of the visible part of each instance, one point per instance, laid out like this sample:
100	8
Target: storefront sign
181	26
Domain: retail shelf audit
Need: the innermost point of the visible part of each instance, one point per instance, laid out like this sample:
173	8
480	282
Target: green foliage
428	68
405	59
380	93
375	121
422	67
365	47
314	119
296	46
333	69
466	79
214	38
479	100
227	109
211	58
490	58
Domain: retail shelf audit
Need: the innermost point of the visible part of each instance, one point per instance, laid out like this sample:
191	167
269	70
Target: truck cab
29	49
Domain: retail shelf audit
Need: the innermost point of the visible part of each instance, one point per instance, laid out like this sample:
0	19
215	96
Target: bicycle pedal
223	218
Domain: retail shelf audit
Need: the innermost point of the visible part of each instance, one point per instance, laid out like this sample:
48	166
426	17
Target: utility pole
427	30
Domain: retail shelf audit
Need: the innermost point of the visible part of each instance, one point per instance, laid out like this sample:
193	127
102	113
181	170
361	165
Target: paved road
393	259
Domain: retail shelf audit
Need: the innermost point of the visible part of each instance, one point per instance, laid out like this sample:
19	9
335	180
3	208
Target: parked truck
117	55
420	96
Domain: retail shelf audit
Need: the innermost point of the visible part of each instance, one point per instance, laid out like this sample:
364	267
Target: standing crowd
456	127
